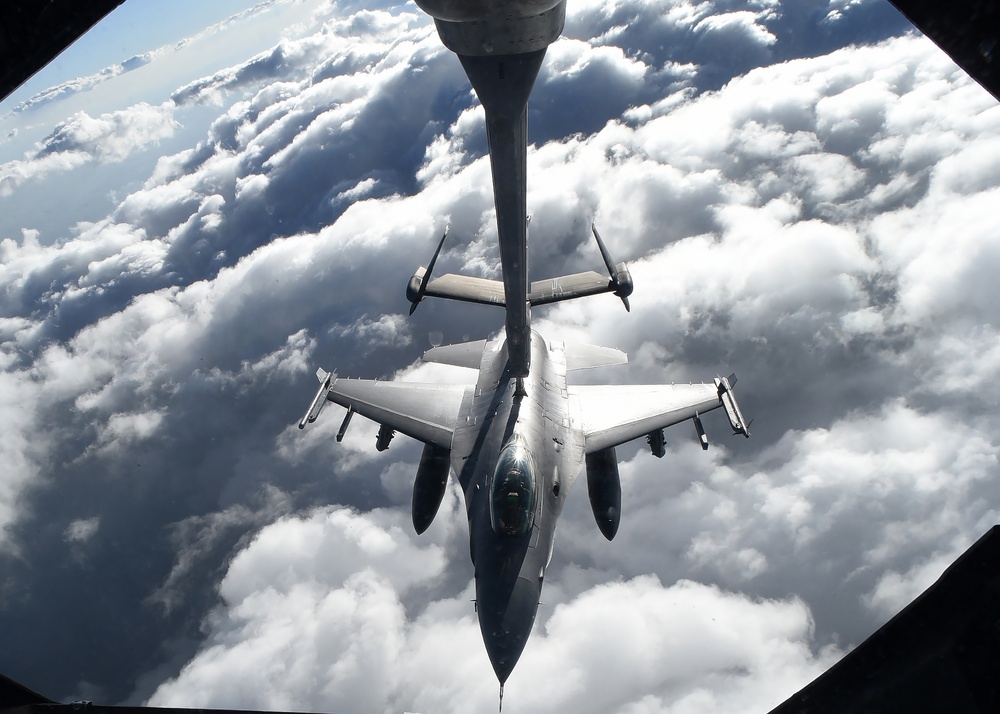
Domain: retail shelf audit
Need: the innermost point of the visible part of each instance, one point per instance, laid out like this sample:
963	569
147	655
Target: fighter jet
517	445
517	439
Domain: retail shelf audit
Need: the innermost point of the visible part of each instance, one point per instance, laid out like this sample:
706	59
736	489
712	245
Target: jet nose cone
506	625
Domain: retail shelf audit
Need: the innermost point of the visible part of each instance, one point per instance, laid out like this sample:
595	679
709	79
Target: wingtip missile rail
728	399
327	380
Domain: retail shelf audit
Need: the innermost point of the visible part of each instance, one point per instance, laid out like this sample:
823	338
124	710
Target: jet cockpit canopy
512	493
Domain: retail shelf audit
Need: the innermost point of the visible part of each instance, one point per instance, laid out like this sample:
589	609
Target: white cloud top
821	224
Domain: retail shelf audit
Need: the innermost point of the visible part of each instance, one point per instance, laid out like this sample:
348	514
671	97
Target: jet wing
425	412
613	414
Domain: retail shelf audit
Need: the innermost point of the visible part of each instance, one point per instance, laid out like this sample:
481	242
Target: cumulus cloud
110	137
122	430
301	630
336	623
202	538
888	498
82	139
839	8
795	221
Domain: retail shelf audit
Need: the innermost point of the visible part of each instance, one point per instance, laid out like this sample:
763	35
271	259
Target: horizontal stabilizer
583	356
466	354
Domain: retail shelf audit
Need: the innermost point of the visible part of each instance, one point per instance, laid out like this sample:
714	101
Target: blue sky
805	193
136	27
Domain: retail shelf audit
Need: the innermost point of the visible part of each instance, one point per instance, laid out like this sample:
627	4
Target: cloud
201	539
110	137
682	648
82	139
319	633
85	84
123	430
722	39
839	8
82	529
743	25
792	220
18	454
336	622
265	65
856	519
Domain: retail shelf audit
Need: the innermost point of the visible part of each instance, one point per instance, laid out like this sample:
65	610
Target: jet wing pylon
614	414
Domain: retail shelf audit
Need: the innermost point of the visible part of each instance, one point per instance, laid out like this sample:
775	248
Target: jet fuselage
510	566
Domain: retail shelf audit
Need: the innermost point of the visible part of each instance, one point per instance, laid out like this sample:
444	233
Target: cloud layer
82	139
310	632
818	219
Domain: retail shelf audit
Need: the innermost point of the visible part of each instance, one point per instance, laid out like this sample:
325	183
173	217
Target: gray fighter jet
517	439
517	445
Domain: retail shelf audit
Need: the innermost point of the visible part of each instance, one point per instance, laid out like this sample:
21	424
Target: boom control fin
418	283
620	276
